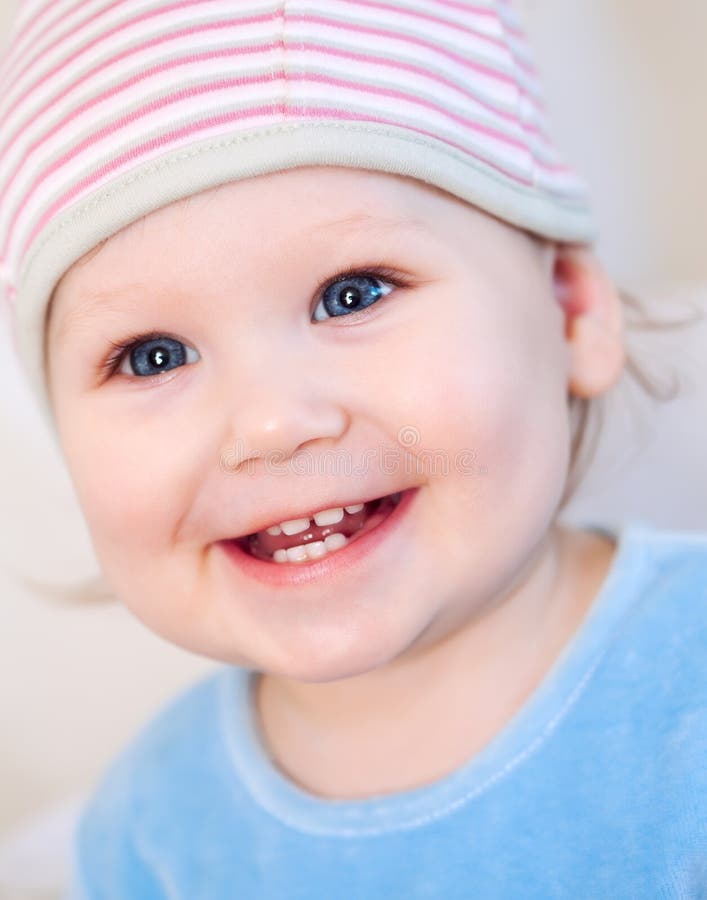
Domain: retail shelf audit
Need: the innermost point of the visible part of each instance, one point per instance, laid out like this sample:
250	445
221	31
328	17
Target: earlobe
593	320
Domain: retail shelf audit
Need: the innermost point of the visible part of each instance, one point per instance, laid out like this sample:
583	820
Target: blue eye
154	357
351	293
148	354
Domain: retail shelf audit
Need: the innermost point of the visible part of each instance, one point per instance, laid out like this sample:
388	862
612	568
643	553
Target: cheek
489	392
133	499
129	493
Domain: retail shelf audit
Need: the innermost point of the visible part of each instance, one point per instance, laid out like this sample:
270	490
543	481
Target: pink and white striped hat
110	109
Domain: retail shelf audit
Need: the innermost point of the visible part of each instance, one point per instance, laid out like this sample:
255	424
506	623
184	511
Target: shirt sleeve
106	863
126	875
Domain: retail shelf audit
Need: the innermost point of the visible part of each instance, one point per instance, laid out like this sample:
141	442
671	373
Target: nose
276	418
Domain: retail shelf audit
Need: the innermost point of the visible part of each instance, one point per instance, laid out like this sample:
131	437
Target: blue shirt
596	788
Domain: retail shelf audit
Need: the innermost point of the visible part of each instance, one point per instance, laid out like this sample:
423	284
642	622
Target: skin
481	589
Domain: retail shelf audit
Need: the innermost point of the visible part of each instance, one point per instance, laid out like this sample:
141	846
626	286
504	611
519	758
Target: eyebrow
100	302
366	221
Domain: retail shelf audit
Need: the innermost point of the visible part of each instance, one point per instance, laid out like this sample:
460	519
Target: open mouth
302	540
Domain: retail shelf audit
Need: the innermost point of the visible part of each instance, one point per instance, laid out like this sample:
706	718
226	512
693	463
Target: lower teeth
315	550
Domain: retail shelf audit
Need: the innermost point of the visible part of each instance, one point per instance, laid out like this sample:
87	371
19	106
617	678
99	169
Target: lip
329	567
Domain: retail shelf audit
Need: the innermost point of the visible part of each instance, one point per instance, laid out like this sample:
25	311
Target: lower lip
328	567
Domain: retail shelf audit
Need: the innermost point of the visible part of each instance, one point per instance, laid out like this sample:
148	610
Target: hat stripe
78	42
293	79
501	160
298	54
22	30
497	67
108	170
419	15
493	77
417	24
396	15
421	80
408	75
29	18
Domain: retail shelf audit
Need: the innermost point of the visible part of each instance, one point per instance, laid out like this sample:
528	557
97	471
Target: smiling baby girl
308	298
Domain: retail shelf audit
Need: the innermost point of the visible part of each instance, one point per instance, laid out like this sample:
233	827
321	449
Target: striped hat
110	109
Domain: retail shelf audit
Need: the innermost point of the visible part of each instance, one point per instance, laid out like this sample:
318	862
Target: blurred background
623	85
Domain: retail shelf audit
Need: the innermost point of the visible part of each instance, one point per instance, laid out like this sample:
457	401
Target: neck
352	737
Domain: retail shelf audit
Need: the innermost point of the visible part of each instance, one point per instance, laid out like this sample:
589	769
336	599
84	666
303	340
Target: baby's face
454	383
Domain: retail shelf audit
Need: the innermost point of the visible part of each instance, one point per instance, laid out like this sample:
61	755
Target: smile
300	540
319	550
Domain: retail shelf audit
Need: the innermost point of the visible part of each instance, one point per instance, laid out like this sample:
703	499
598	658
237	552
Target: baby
309	302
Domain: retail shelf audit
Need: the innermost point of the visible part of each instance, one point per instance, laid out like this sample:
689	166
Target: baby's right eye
148	355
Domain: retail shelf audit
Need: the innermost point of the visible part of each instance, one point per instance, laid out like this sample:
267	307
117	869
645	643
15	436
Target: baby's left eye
351	293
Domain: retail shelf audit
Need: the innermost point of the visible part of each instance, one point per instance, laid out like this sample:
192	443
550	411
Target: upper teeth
325	517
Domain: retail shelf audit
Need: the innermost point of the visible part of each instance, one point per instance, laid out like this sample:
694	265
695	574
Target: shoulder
671	568
661	664
671	547
161	754
648	627
164	743
659	644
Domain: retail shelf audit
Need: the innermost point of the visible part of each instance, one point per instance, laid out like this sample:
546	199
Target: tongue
269	543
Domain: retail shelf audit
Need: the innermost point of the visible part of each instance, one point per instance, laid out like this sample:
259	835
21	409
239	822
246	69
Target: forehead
312	200
308	198
281	216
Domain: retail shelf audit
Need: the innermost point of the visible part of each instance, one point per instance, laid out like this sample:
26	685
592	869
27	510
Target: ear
593	320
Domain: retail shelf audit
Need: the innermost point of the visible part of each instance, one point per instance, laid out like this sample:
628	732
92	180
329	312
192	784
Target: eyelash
109	367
